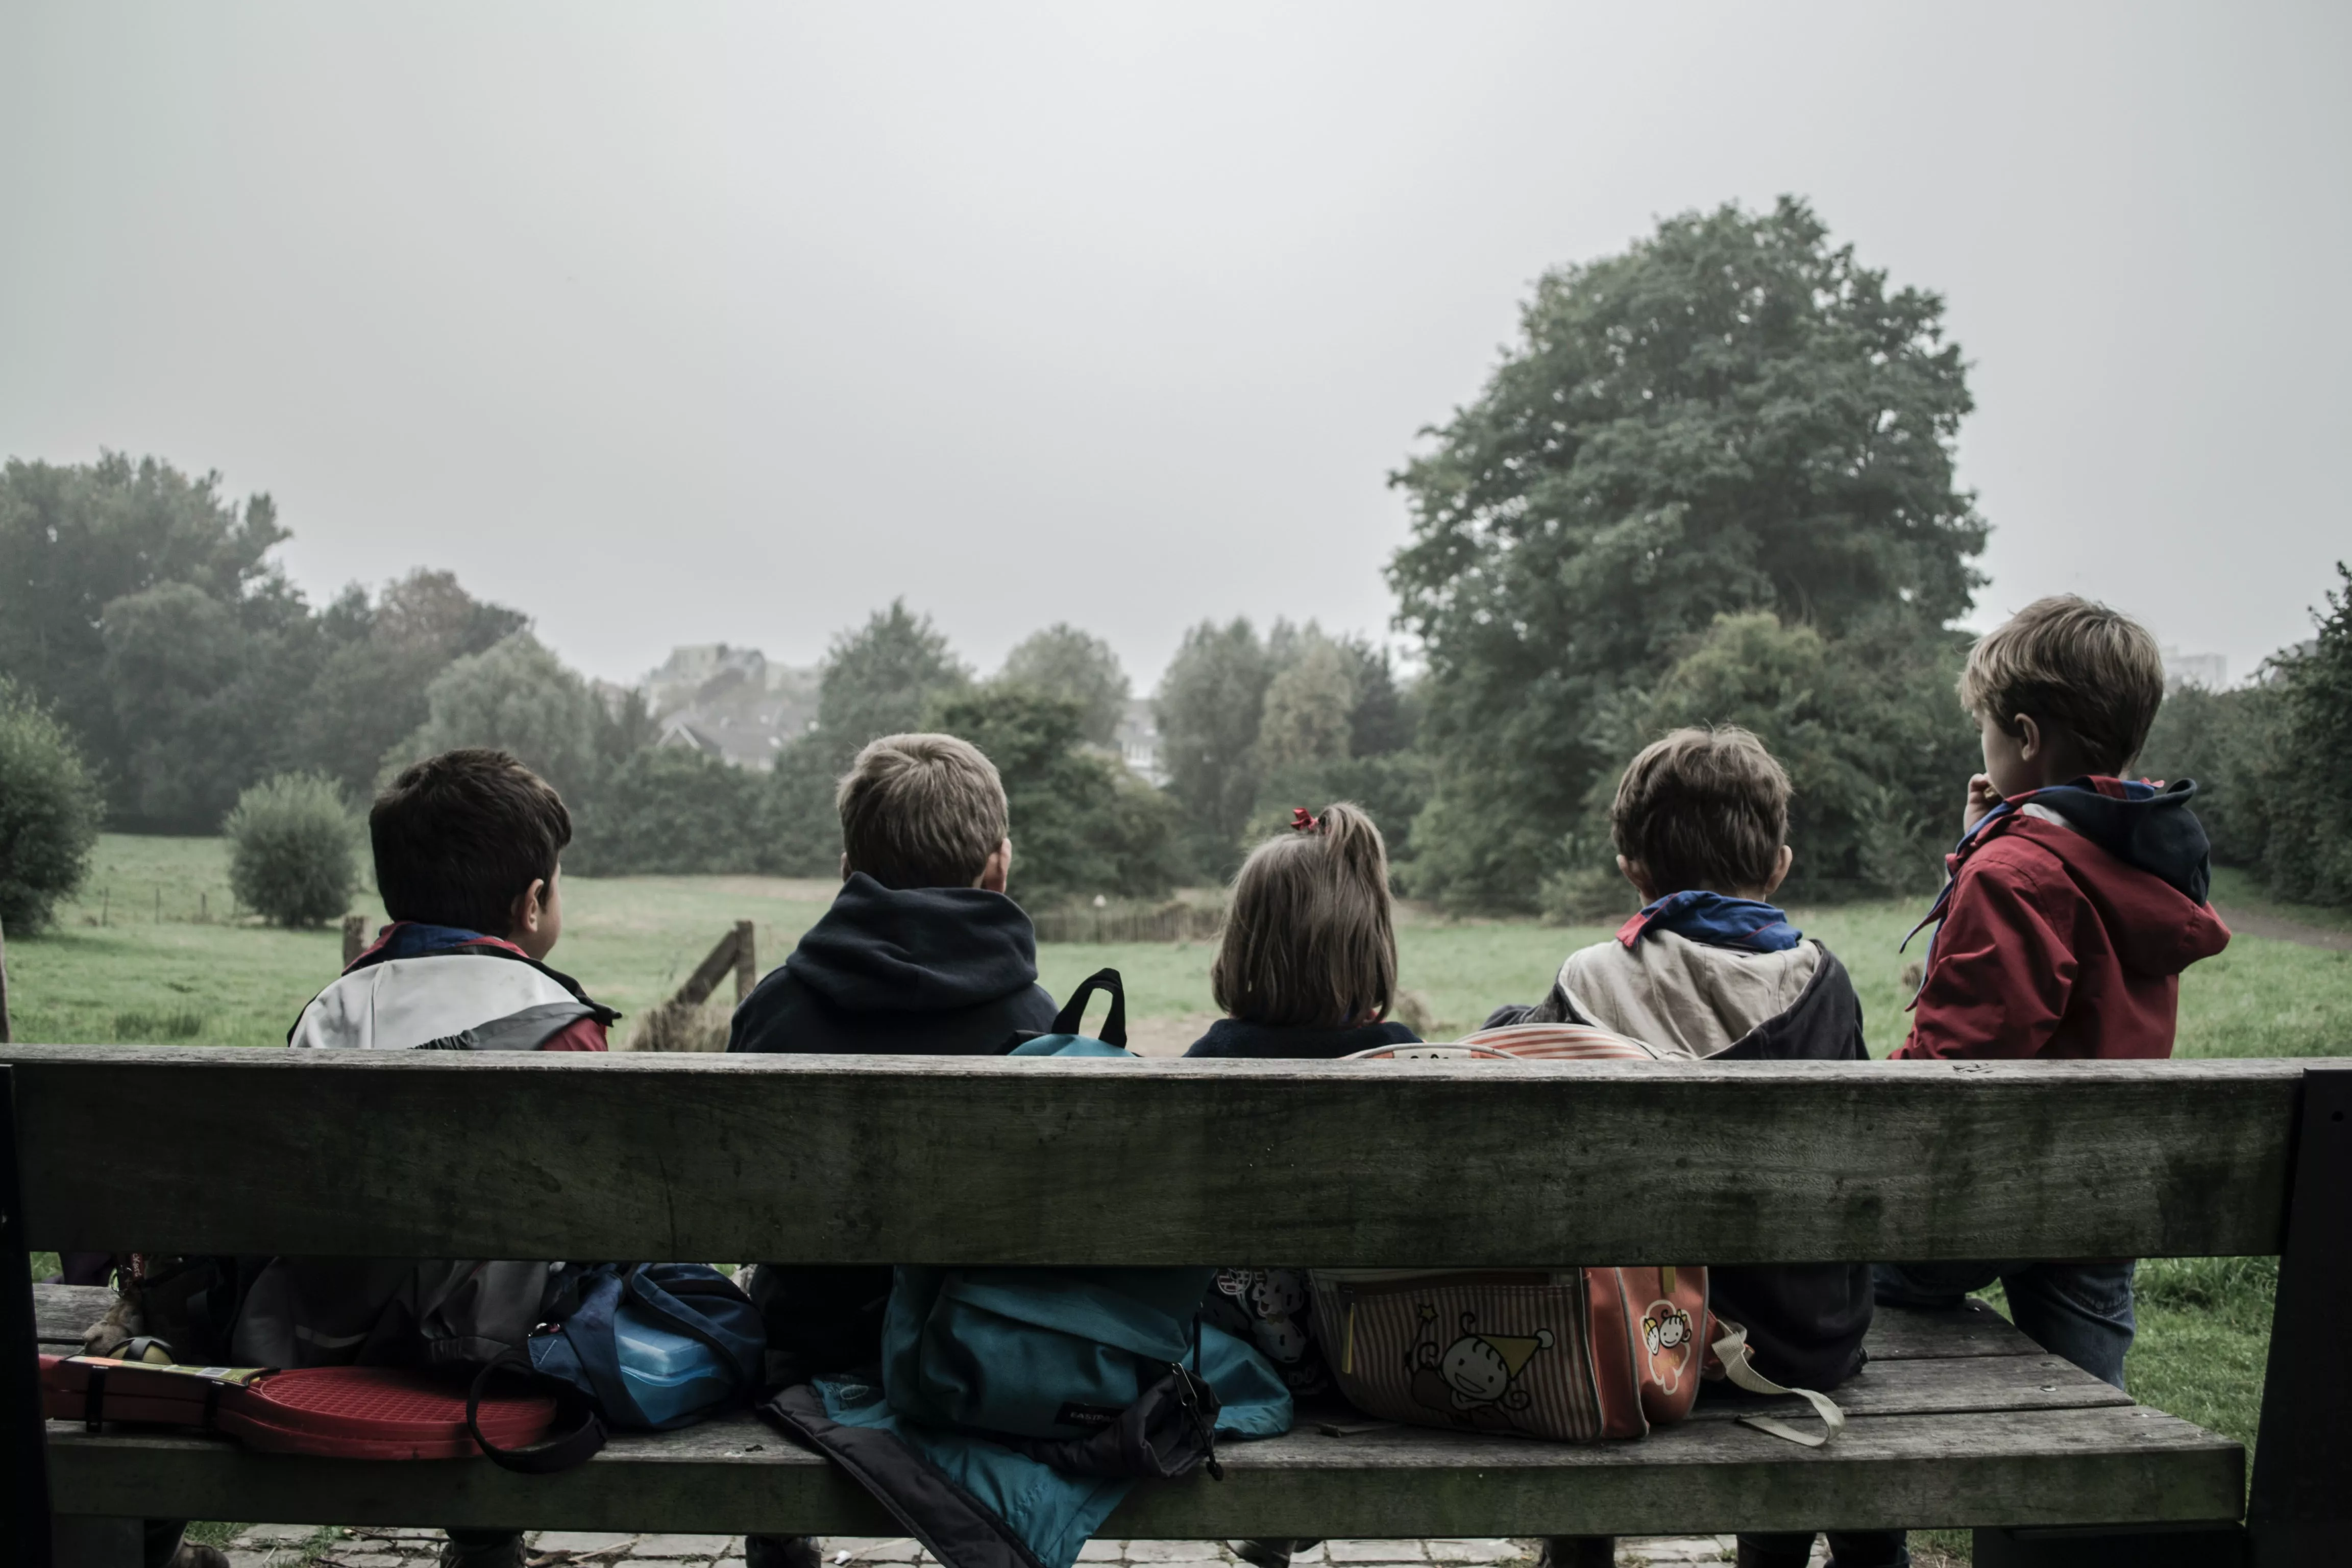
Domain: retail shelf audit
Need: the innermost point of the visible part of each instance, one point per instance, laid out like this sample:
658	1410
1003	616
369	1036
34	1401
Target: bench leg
24	1448
2300	1511
94	1540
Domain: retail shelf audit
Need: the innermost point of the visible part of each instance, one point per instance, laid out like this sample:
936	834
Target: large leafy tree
76	539
519	697
1868	726
2309	853
1081	825
1078	667
1309	707
203	689
369	689
1731	415
1209	706
881	678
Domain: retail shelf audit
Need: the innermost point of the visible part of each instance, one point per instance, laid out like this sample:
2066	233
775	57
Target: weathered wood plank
1971	1329
60	1313
1939	1385
846	1160
2120	1464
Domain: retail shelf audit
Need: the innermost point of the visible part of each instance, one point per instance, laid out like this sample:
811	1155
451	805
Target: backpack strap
1732	1350
558	1453
1072	1018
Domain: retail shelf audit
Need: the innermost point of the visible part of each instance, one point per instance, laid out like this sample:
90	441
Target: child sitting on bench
921	955
468	849
2074	902
1710	968
1307	970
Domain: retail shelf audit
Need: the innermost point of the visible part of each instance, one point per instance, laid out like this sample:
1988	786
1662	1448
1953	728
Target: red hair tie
1304	821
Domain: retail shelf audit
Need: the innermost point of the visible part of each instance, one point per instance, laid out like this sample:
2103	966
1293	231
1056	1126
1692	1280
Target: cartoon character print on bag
1273	1304
1667	1335
1474	1380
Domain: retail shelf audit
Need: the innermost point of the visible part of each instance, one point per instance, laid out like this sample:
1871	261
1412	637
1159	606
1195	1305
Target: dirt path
2253	924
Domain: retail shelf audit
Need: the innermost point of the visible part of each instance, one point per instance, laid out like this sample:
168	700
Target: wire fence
1117	923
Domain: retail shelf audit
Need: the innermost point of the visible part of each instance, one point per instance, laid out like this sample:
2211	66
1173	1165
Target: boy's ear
999	869
1780	870
845	865
1633	872
530	909
2029	745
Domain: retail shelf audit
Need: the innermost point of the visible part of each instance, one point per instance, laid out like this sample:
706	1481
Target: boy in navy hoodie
921	955
2075	901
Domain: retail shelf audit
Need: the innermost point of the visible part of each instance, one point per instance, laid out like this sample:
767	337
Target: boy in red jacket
2074	902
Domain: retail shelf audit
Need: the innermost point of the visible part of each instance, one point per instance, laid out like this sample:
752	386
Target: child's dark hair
460	837
1309	935
1703	809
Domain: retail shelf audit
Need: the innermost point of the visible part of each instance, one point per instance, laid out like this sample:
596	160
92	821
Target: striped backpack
1570	1355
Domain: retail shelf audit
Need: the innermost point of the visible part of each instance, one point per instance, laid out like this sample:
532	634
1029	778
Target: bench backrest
962	1160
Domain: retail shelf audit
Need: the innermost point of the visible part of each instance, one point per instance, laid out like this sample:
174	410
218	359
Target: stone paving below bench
290	1545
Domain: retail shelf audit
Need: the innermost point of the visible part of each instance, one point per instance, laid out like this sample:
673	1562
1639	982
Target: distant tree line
159	672
2273	761
1711	482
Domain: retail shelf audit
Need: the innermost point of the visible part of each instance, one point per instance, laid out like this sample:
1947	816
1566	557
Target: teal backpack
1106	1371
1018	1405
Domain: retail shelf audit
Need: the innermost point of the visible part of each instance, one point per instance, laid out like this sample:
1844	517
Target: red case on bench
341	1412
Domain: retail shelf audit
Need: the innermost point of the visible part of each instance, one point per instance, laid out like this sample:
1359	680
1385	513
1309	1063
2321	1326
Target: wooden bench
1958	1422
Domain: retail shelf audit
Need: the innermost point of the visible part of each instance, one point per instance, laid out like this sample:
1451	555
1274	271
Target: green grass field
151	950
110	970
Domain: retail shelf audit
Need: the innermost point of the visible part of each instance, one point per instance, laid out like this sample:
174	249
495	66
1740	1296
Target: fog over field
730	323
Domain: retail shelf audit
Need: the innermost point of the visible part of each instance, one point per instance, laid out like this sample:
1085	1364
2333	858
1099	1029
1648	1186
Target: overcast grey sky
677	324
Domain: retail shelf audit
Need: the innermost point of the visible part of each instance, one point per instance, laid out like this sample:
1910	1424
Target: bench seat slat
2127	1464
983	1160
1970	1329
60	1313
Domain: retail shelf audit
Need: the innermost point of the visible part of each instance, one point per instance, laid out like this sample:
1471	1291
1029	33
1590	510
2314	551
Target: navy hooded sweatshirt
892	972
902	971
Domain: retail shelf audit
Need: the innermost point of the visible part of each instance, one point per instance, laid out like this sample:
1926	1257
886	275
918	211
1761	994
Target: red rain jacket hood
2067	920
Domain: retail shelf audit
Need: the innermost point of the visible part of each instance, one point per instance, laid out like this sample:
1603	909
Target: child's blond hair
1310	934
921	811
2071	663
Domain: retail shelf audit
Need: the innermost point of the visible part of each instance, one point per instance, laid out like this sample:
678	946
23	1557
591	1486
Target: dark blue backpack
645	1345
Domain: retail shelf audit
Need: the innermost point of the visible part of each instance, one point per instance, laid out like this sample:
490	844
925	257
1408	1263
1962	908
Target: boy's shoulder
481	994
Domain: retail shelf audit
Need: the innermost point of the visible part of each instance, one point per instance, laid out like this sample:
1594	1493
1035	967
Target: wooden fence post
747	964
354	937
733	951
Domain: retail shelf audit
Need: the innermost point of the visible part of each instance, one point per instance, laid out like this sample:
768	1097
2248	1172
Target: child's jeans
2082	1311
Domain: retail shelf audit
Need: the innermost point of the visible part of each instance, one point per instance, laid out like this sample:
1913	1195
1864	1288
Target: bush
673	811
49	812
291	857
